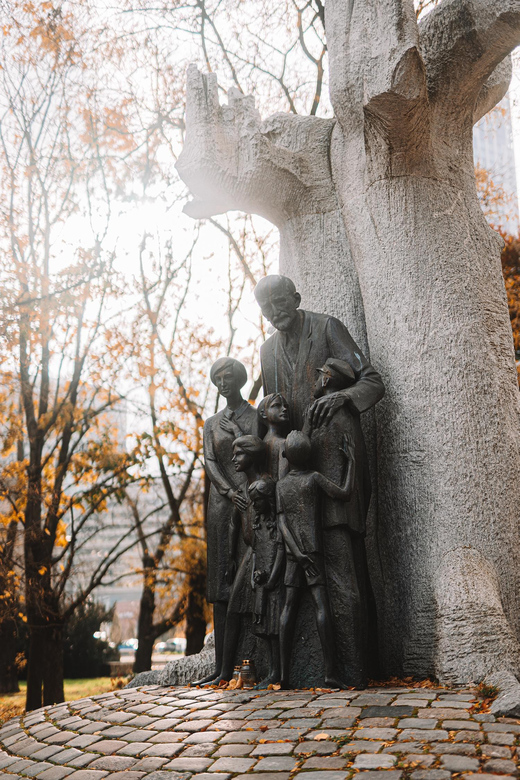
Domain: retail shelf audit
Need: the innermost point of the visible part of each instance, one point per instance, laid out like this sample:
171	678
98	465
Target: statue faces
278	300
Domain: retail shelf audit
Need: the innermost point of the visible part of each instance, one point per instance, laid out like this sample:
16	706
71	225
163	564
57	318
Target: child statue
268	560
298	500
273	412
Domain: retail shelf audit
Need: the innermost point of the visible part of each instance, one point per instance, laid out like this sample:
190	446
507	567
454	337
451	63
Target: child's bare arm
344	491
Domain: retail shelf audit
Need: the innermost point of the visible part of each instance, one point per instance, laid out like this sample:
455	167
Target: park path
165	733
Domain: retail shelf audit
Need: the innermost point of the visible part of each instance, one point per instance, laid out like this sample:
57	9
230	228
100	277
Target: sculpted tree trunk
380	225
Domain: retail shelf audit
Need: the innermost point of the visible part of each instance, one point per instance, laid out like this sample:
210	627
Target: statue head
274	409
335	374
262	493
277	297
297	449
228	375
249	451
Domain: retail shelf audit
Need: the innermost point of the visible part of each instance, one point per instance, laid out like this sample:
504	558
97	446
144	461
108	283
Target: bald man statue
291	359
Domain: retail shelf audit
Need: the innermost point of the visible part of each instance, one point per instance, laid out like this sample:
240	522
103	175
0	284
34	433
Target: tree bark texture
8	670
146	635
380	225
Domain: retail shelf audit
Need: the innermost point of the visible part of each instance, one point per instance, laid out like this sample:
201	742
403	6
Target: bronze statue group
289	495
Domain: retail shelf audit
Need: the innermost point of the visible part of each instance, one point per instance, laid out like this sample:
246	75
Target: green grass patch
13	704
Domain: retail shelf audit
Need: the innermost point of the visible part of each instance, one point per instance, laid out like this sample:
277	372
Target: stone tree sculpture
380	225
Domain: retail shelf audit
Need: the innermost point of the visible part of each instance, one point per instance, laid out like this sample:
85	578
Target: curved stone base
167	733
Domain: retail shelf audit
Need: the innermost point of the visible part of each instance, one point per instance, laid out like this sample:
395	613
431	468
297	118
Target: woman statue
228	492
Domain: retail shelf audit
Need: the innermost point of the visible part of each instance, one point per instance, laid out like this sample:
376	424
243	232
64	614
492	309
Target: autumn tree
62	460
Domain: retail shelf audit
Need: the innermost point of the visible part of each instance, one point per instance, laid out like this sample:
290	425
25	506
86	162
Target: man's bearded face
280	307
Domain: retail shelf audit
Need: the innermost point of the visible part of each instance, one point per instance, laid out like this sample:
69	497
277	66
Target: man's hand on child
323	409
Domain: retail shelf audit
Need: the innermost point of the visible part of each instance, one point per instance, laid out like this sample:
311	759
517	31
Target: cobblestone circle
178	733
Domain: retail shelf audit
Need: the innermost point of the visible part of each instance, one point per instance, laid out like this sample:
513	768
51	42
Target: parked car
128	646
176	645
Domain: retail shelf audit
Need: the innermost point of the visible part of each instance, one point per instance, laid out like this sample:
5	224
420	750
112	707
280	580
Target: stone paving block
379	723
391	712
483	717
235	750
503	727
226	725
203	736
163	724
92	728
207	776
424	760
452	703
343	712
149	763
275	764
166	749
369	699
468	736
328	775
319	748
455	725
36	769
485	776
137	735
47	752
192	726
360	746
374	761
234	764
113	732
368	733
262	724
66	756
84	740
456	697
55	773
431	774
189	764
87	774
500	738
460	749
404	747
499	766
454	763
411	702
496	751
263	714
442	712
113	763
133	749
240	736
109	746
200	751
141	720
59	738
423	735
417	723
324	762
273	749
128	774
83	760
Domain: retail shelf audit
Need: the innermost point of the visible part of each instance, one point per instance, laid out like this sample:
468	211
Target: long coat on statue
293	373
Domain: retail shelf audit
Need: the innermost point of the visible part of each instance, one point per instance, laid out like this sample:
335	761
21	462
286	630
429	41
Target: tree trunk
8	670
52	652
417	265
195	613
145	627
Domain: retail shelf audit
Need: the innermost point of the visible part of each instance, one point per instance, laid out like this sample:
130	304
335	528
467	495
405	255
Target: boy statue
298	497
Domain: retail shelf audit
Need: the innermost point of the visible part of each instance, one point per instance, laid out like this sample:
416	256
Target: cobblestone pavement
181	733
